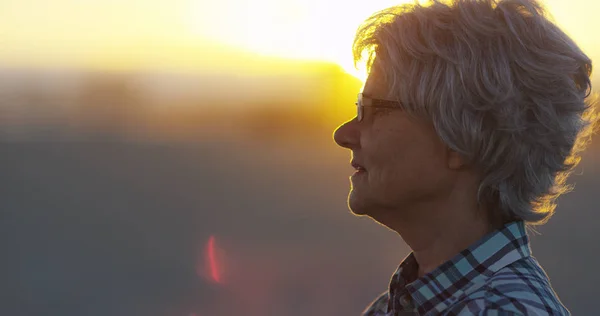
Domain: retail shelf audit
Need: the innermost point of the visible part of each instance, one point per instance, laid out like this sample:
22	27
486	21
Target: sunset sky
202	35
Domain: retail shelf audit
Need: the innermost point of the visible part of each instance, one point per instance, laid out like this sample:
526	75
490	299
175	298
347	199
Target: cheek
387	163
388	154
404	164
394	172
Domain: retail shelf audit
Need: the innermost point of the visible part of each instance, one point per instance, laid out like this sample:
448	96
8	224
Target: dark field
120	228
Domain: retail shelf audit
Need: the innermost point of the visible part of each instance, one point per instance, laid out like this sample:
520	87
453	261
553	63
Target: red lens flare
209	266
212	260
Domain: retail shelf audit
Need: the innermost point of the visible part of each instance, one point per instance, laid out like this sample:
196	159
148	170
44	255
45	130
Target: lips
357	166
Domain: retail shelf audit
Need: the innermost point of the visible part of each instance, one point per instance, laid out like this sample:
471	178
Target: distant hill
297	97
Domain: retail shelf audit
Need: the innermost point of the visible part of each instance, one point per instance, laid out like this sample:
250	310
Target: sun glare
208	34
294	29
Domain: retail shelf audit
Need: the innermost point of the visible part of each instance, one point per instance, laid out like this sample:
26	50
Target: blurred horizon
58	104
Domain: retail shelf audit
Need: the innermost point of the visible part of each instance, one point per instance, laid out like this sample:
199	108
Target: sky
202	35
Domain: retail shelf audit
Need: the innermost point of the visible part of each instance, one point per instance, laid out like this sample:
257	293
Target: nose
347	135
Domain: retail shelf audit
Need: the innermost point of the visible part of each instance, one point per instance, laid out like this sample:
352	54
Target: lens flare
212	260
209	266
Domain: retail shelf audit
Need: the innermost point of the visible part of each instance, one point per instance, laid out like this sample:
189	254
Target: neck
441	230
435	244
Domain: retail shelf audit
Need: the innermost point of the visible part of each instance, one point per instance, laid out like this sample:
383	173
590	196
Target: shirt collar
443	285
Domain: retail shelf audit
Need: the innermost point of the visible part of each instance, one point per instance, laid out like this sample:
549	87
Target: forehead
376	86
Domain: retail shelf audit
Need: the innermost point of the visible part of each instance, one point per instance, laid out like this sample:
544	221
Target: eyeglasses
364	101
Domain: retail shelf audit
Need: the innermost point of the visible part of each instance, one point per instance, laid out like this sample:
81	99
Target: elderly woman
472	117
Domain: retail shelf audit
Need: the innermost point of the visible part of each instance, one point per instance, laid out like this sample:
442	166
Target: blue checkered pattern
495	276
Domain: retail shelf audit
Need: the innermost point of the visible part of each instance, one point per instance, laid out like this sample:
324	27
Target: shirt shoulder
378	307
521	288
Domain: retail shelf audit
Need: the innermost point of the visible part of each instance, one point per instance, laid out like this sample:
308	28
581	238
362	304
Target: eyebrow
382	102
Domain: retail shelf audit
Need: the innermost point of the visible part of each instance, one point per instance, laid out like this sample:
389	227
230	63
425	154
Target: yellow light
181	33
296	29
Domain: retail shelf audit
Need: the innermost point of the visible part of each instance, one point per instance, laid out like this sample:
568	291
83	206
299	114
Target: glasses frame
365	101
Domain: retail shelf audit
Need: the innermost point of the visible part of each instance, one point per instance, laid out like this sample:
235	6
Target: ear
455	160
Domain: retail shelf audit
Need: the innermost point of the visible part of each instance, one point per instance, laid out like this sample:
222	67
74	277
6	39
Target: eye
381	111
368	113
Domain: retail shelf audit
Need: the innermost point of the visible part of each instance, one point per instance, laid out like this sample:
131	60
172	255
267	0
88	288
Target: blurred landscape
114	182
67	104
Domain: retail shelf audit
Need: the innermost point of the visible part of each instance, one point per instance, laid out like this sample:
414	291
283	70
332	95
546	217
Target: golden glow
298	29
183	33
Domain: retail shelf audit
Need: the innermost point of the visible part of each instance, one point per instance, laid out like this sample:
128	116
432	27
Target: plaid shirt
495	276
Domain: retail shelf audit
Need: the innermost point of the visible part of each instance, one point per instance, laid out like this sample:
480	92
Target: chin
356	204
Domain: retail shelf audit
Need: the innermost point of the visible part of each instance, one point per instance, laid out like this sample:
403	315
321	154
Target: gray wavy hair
502	85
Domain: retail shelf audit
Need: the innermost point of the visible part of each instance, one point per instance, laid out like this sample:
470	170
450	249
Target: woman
473	115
